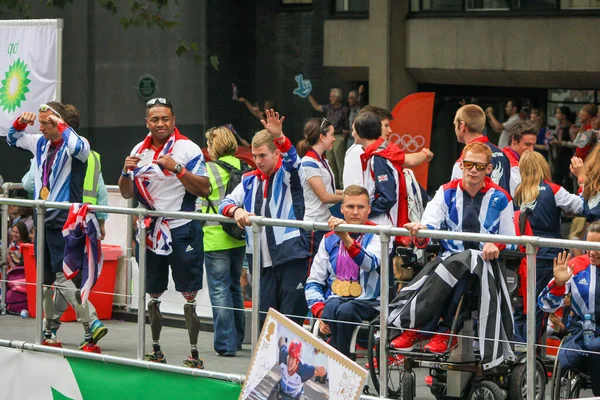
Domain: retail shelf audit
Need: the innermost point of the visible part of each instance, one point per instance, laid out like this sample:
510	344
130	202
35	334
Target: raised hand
273	123
27	118
576	167
55	120
562	272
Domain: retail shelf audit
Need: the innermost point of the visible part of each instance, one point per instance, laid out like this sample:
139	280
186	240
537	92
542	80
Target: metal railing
532	244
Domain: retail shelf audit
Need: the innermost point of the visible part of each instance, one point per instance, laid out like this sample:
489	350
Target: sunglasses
46	107
324	124
159	100
478	166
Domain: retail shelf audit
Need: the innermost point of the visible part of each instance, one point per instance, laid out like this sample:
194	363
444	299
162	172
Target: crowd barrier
532	244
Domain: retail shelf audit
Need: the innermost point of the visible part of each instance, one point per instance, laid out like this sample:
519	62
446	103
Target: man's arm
414	159
316	106
253	110
433	217
386	194
78	146
18	138
126	178
494	123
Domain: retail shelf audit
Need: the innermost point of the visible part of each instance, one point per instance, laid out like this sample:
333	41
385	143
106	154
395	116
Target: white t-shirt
165	189
509	123
315	166
353	174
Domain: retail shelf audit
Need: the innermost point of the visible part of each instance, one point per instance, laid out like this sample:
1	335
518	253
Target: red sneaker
51	343
91	347
407	341
439	343
393	361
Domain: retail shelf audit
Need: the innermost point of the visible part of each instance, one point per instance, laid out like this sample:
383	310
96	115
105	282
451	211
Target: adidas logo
583	281
189	248
300	286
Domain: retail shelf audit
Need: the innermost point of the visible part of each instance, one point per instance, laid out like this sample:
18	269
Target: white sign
28	68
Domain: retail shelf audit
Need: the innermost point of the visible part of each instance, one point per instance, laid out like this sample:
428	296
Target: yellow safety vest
92	174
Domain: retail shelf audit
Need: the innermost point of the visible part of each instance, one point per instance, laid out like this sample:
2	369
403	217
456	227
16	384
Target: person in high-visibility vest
223	254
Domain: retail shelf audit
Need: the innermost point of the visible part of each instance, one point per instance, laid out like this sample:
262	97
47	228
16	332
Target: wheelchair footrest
421	356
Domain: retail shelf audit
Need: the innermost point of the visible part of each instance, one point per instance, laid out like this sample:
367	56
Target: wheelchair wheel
517	387
486	390
408	385
566	385
395	370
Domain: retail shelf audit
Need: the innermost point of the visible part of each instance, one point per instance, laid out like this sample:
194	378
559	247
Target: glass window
442	4
579	4
537	4
574	99
360	6
488	4
292	2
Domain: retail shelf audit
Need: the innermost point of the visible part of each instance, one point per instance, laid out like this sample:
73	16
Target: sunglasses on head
324	124
478	166
46	107
159	100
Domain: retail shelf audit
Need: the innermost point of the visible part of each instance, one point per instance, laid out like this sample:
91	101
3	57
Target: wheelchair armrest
512	254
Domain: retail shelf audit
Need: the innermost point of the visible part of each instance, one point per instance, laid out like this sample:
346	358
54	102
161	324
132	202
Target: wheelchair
568	384
458	373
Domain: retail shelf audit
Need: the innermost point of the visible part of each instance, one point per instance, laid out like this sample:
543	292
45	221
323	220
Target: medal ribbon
47	168
346	269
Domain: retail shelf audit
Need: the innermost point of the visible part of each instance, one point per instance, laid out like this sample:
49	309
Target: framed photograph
289	363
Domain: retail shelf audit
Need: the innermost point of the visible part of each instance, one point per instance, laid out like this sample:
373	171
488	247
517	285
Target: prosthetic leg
156	322
49	310
83	311
193	327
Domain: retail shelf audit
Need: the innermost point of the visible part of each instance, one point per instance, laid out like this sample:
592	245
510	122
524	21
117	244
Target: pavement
121	341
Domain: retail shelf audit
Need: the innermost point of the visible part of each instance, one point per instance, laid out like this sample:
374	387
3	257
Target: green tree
132	13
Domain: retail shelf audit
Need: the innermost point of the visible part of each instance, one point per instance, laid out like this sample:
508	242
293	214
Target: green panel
56	395
99	380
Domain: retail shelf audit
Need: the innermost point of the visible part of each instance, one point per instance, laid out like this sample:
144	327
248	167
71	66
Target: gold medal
335	287
355	289
344	288
44	193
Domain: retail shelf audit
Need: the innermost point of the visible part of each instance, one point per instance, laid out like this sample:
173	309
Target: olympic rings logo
408	143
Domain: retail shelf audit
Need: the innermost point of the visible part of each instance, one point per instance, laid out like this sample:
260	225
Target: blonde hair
473	116
478	147
354	190
221	142
591	185
263	138
534	170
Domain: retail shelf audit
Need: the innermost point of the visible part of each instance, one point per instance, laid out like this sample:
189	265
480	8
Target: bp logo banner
28	68
290	363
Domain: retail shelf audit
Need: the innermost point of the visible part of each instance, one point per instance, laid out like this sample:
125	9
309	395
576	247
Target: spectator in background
586	139
588	176
19	235
336	113
223	254
317	178
255	109
538	118
522	137
561	147
512	109
355	103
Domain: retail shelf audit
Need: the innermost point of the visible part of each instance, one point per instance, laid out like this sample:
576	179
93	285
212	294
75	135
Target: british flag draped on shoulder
159	238
432	287
83	249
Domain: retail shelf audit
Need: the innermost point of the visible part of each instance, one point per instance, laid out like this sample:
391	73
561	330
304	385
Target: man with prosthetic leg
167	172
59	165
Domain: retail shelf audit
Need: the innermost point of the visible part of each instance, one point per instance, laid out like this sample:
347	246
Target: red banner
411	127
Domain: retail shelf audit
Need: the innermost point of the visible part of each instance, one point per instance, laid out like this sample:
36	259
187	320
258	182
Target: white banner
28	68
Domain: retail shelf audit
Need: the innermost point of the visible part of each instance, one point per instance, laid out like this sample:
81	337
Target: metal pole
141	322
59	54
128	256
384	277
256	229
531	329
4	260
39	264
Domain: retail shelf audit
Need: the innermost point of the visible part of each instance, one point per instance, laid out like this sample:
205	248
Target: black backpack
235	177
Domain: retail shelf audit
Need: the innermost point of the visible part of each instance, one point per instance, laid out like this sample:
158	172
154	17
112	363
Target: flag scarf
83	249
158	238
431	289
